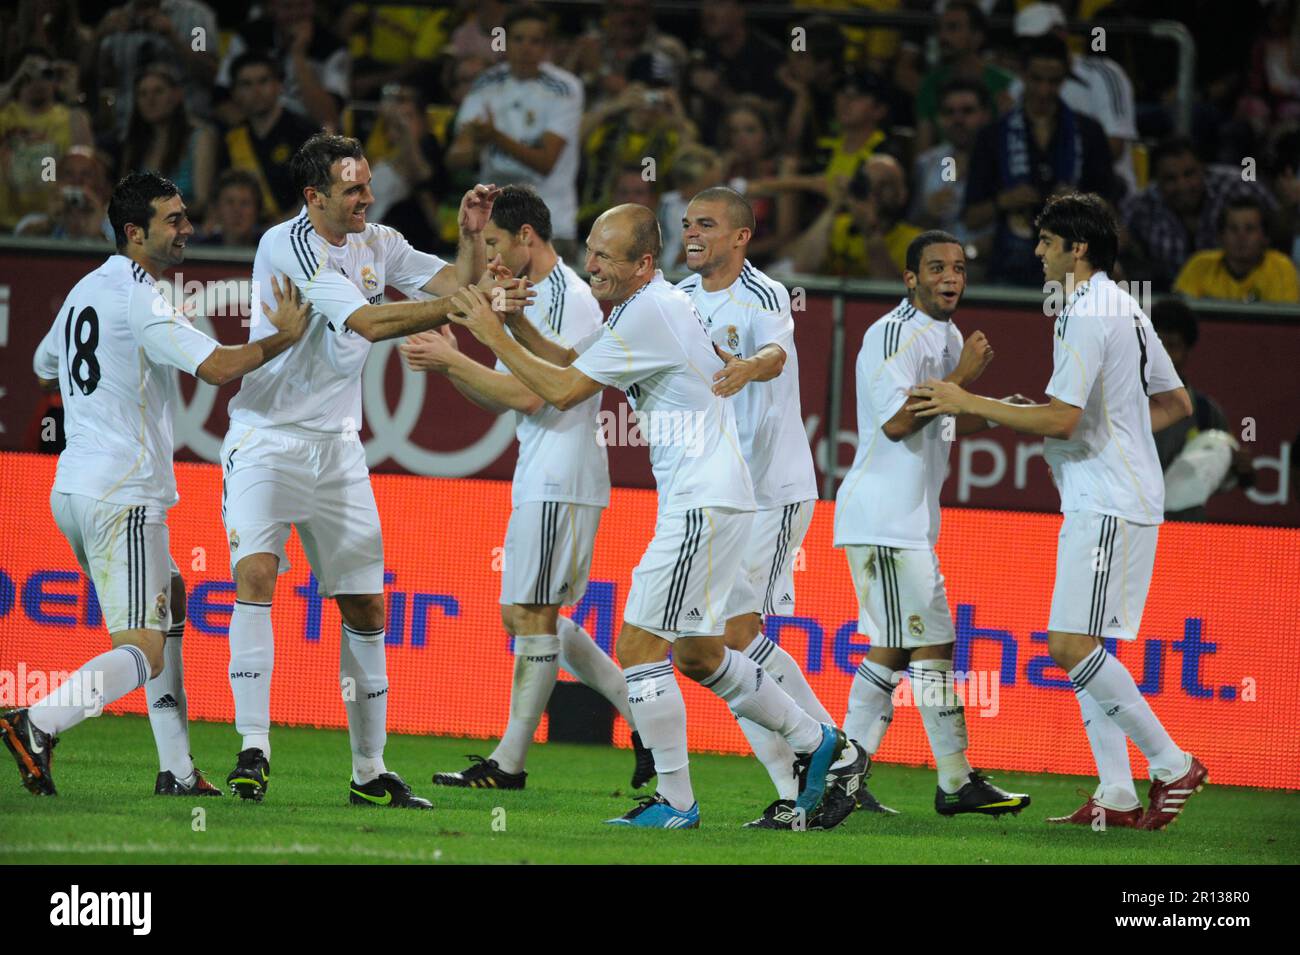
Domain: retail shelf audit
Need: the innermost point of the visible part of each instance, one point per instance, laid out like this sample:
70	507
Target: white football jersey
316	384
655	348
112	347
1107	360
755	311
524	110
560	458
890	496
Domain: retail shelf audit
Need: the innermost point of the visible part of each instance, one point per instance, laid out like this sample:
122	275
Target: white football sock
1110	752
168	709
537	663
252	657
660	713
740	681
100	681
1112	686
944	718
871	705
775	754
776	661
363	677
583	657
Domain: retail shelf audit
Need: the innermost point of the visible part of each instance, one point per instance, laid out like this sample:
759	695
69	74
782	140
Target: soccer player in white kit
111	353
748	317
887	520
292	456
1112	385
654	346
560	487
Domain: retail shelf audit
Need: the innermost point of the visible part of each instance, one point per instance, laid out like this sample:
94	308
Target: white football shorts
683	582
548	550
1103	572
902	602
765	583
123	549
273	481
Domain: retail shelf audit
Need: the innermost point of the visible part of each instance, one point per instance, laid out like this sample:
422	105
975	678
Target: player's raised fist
476	208
976	354
291	309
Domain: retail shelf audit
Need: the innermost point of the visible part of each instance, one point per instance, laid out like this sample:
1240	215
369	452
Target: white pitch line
144	848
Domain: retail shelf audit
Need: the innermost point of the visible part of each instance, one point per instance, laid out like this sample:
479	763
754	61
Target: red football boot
1166	800
1091	811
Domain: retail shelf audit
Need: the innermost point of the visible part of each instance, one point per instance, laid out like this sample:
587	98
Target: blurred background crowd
848	137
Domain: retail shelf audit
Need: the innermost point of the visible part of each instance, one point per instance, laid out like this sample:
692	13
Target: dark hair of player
1236	203
518	206
1083	217
739	212
527	11
959	85
916	248
132	202
311	164
1172	314
255	58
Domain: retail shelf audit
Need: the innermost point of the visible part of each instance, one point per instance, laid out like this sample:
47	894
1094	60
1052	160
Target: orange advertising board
1218	657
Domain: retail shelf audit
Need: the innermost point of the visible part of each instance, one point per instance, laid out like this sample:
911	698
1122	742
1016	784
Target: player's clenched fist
291	309
976	354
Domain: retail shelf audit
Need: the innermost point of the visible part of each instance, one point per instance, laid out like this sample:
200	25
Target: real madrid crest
733	339
368	278
916	626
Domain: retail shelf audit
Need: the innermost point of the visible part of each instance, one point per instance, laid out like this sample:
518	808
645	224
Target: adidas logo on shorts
1114	622
694	615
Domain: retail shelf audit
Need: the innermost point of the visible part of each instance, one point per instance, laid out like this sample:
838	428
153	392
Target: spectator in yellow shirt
1245	269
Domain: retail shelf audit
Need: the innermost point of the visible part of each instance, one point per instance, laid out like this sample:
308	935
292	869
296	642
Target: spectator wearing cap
314	62
236	214
942	171
180	32
1198	455
732	58
962	29
811	76
264	143
1096	86
1039	149
520	123
861	232
1178	213
162	136
641	123
34	126
1244	269
601	56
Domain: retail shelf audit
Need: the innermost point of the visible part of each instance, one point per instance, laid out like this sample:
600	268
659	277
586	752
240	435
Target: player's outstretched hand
474	310
291	309
736	373
976	354
936	398
431	350
476	208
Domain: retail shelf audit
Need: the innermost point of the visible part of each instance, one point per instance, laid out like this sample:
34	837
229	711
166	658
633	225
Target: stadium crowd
848	140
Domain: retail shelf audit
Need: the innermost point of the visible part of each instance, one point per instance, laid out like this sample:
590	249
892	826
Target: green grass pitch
106	813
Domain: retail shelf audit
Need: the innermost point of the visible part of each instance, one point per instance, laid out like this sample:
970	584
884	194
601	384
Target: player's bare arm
545	348
1169	407
471	251
437	351
398	319
976	354
1055	419
563	387
289	317
764	365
